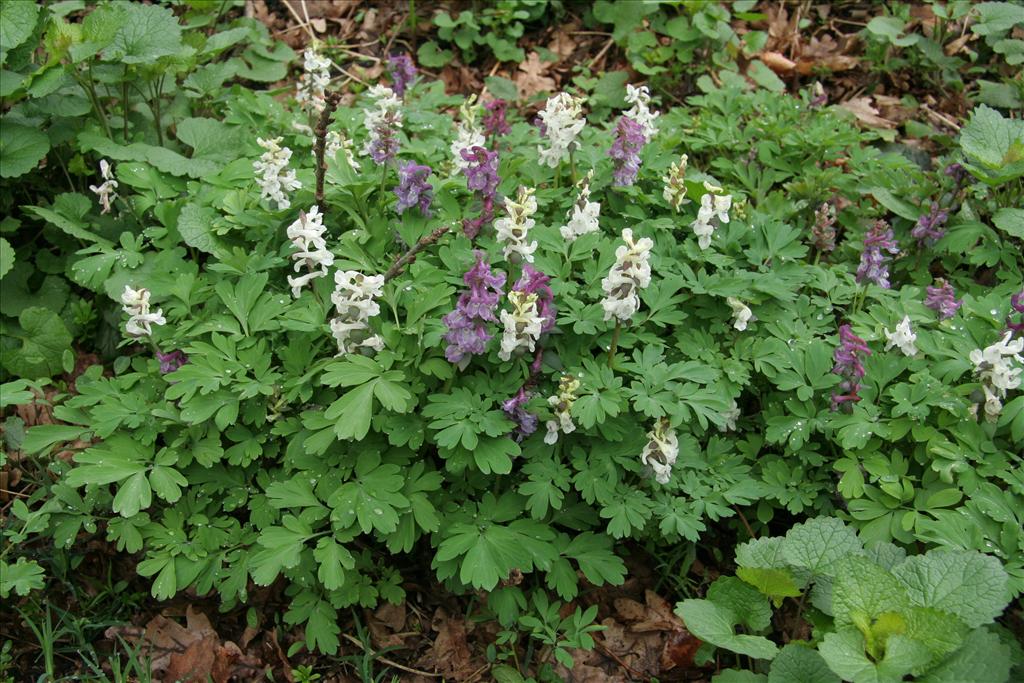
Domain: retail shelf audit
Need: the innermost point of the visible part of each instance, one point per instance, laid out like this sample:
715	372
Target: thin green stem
615	342
124	104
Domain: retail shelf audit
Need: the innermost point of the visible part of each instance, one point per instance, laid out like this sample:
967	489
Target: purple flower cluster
494	121
467	324
849	366
957	172
482	177
942	299
384	146
874	264
169	362
413	188
1017	303
535	282
526	422
929	228
402	72
625	151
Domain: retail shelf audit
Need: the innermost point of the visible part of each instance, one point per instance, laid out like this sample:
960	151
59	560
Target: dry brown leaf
562	43
825	53
777	62
532	77
449	655
865	113
319	24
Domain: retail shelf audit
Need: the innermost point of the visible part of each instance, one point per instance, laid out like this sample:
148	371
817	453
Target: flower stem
615	342
319	142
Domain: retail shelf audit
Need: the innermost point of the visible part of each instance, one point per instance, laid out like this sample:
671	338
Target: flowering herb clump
879	245
942	299
403	73
475	311
849	365
413	188
625	152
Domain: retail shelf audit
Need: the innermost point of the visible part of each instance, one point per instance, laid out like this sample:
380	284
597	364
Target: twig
331	103
746	524
595	60
637	675
942	118
406	258
295	14
13	493
385	660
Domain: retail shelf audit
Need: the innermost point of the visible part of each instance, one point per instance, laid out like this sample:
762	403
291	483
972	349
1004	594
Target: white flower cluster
995	368
729	416
675	188
385	112
661	451
641	112
630	274
355	300
741	313
309	92
338	142
273	175
105	190
523	324
582	217
712	205
563	120
467	134
561	405
513	230
903	338
136	305
307	235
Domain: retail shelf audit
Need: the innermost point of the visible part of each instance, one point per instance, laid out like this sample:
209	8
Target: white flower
307	235
337	141
561	405
563	120
354	299
105	190
640	98
273	175
385	113
582	217
309	92
729	416
741	314
523	324
135	302
467	134
512	231
675	187
630	273
661	451
712	206
903	338
995	367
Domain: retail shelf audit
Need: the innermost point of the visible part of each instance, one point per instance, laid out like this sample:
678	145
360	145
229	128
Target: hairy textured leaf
965	583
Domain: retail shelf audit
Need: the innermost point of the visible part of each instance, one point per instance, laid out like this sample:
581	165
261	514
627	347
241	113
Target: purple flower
1017	304
942	300
467	324
957	172
526	422
384	144
169	362
874	264
929	228
535	282
482	177
413	188
494	121
625	151
402	72
849	366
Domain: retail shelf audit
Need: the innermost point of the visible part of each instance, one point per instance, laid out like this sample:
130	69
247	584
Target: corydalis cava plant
272	173
355	301
514	228
562	120
311	252
630	273
476	310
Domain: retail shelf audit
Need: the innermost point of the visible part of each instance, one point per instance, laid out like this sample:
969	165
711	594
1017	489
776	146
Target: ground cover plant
317	352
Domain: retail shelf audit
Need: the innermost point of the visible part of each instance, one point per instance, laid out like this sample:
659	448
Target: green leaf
863	591
17	22
372	499
738	676
21	147
43	339
195	227
981	658
597	559
147	32
966	583
1010	221
817	544
716	624
797	662
333	559
991	139
773	582
22	577
890	201
6	257
433	57
744	600
502	88
40	438
759	72
352	412
294	493
845	655
133	495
